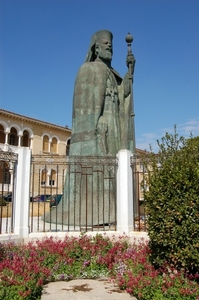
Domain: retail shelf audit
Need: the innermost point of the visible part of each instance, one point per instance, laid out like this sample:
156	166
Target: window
4	173
45	143
68	147
43	177
51	182
53	147
143	168
13	138
48	177
6	176
2	135
52	178
25	139
143	186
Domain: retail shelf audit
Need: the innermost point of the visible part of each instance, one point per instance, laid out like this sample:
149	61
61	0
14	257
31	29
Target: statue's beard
105	55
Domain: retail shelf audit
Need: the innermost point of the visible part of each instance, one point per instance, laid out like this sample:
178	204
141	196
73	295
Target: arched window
53	147
2	135
68	147
52	178
48	177
143	186
45	143
4	172
13	138
25	141
43	177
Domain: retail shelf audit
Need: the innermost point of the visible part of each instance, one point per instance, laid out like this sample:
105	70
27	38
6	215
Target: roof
32	120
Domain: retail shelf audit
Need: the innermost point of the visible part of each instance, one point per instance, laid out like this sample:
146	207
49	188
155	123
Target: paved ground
84	289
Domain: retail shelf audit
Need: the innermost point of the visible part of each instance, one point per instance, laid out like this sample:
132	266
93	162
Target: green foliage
2	202
15	292
172	202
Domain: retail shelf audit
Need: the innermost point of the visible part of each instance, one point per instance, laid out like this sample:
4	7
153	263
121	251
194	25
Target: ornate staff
129	40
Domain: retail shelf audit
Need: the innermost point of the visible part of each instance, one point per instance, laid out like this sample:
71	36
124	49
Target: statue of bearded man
101	126
101	122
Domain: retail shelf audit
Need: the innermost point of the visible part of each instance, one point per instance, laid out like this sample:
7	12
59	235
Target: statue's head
101	45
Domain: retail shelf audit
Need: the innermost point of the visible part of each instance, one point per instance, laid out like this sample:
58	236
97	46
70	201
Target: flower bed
24	269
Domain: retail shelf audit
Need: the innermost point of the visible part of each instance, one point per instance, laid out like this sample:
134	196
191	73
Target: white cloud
184	129
192	126
146	140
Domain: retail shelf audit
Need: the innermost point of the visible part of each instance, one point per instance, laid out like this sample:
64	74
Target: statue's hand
130	59
102	129
102	126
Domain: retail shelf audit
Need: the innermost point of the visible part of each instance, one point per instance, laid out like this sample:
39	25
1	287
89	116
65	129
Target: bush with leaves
172	202
2	202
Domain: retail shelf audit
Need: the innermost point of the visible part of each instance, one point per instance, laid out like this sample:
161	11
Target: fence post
22	193
125	215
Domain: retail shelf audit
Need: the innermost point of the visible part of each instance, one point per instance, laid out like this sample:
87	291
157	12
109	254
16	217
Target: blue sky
44	42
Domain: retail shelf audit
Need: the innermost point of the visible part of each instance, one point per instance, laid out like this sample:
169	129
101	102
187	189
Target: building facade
44	139
41	137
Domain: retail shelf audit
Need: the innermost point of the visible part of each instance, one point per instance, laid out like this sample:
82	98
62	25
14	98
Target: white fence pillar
125	215
22	193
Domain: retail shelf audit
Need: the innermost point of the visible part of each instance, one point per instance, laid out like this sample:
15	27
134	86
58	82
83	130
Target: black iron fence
139	175
8	164
77	194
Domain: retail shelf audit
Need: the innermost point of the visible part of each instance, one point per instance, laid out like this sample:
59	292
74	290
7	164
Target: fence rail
138	175
8	162
73	194
86	187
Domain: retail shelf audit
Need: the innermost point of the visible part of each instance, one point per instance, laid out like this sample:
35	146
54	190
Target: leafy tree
172	202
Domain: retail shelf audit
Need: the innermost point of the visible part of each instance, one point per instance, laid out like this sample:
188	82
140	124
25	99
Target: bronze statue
101	126
101	122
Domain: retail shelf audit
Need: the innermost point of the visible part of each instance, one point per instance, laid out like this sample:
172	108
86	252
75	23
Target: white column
22	193
11	174
6	140
125	212
19	141
31	142
49	145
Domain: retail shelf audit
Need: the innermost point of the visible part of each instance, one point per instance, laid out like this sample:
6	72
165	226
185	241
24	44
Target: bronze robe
101	126
100	112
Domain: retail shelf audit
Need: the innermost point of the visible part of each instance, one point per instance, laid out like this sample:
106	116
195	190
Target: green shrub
2	202
172	202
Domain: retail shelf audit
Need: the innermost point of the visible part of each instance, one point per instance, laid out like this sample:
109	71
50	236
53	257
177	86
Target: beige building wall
49	141
14	127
